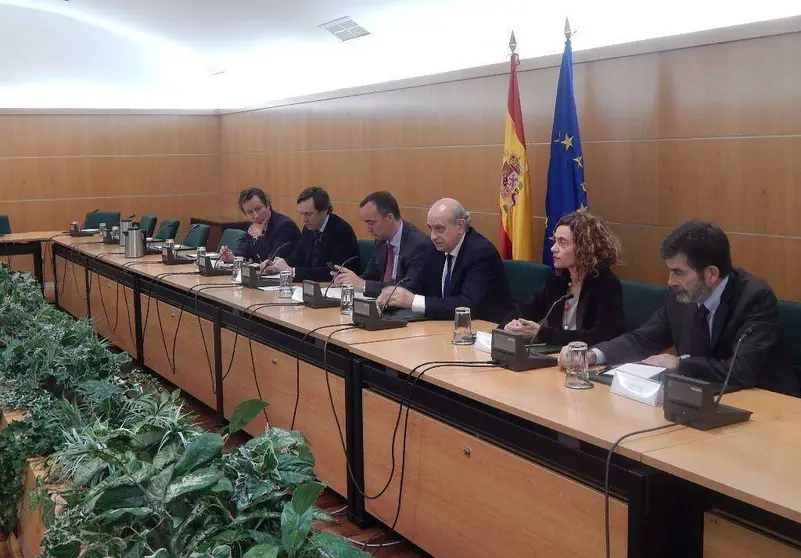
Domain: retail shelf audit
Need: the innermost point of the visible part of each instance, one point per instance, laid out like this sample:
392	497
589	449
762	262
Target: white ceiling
162	53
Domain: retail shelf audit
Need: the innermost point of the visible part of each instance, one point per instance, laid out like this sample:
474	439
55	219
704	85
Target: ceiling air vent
345	29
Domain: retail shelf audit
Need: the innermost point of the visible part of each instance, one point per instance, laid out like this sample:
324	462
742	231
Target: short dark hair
248	193
704	243
322	201
384	202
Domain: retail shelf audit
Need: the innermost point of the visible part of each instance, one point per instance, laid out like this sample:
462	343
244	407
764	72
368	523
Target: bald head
447	223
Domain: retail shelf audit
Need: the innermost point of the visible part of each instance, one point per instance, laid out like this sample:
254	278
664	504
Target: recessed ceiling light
344	29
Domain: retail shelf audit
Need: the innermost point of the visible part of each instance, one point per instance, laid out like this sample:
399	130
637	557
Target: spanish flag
516	240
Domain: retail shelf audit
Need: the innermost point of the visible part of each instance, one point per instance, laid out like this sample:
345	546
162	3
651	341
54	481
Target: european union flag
566	192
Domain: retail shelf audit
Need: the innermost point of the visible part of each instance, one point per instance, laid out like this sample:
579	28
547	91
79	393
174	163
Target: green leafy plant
141	478
161	497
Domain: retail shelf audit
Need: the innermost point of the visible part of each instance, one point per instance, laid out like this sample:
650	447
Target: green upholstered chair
197	235
94	218
232	238
525	278
640	301
148	224
366	251
5	224
790	318
168	229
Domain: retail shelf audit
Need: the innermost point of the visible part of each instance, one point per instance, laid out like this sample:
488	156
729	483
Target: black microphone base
322	303
214	272
707	420
260	282
532	362
377	325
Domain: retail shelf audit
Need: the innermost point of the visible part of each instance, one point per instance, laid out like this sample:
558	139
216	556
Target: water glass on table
577	375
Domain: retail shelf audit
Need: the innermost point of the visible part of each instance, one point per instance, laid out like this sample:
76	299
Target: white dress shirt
395	242
419	302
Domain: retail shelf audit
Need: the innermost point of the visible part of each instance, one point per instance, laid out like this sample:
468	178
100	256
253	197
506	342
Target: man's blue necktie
446	286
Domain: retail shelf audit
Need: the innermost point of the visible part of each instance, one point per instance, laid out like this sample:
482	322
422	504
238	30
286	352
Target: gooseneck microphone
544	320
275	252
745	334
392	292
341	267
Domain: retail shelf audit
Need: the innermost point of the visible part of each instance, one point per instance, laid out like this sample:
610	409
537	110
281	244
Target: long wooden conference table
496	462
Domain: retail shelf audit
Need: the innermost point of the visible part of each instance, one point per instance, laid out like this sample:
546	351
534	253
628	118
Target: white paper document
297	292
639	370
336	292
483	341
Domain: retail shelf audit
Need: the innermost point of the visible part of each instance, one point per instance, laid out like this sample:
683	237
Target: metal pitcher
134	241
125	224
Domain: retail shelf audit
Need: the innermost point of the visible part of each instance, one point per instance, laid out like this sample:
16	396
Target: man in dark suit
269	230
325	238
466	271
400	248
709	308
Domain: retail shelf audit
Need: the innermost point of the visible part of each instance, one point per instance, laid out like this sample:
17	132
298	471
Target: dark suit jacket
746	301
280	229
415	248
599	316
337	244
478	281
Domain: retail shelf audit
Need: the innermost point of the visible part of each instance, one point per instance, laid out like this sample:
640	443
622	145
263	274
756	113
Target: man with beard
709	307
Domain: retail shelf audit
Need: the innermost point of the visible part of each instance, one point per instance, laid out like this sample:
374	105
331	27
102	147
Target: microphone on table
275	252
544	320
392	292
745	334
346	262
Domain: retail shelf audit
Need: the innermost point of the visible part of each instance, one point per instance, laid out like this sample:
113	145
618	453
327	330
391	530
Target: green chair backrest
366	251
525	278
197	235
640	301
94	218
168	229
790	319
232	238
148	224
5	224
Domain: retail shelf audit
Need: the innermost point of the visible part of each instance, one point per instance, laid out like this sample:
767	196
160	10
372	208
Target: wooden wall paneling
726	539
276	373
617	98
641	259
752	90
55	168
190	370
745	185
622	181
775	259
71	284
113	313
458	488
39	135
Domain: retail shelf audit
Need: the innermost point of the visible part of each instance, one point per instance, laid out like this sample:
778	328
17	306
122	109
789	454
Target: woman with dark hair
582	299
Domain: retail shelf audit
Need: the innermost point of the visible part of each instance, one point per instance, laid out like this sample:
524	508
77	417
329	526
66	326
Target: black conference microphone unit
513	350
367	315
251	273
75	229
341	267
543	321
692	402
314	297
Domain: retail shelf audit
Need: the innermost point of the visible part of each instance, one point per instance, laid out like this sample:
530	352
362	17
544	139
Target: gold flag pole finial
513	44
568	33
